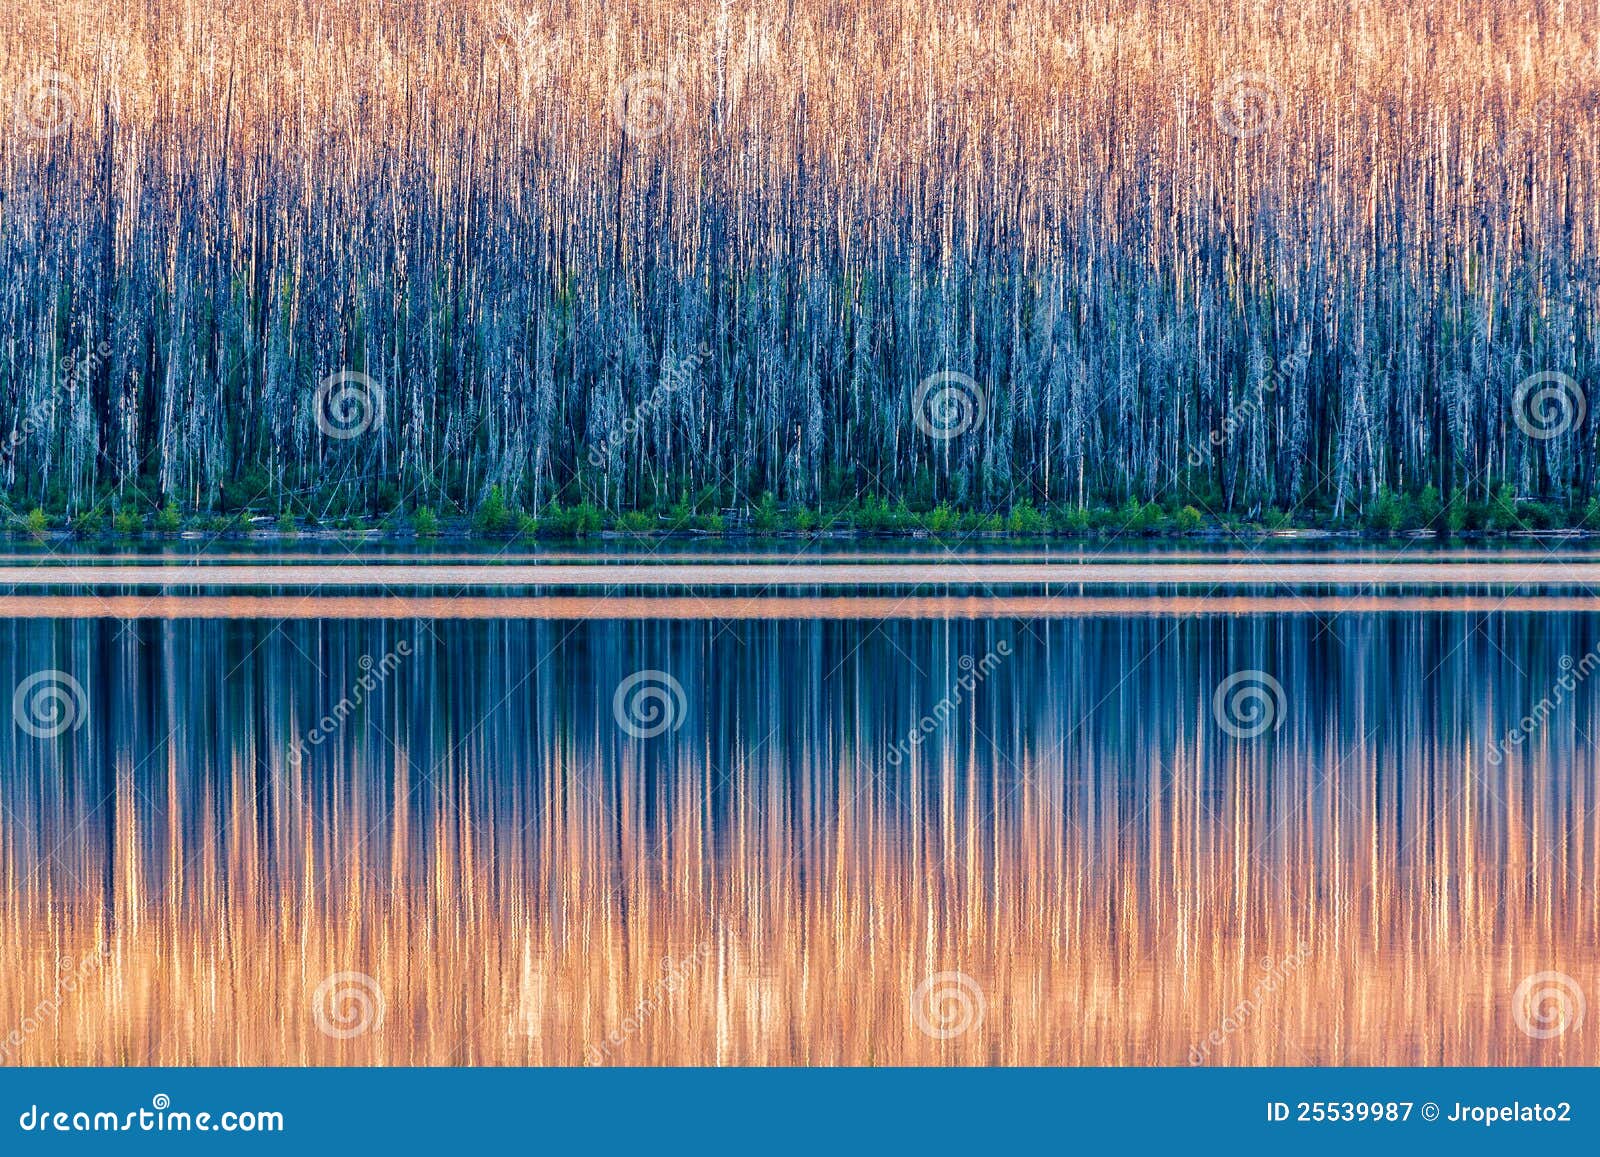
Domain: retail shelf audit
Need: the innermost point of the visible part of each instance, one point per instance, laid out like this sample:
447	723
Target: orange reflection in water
1079	867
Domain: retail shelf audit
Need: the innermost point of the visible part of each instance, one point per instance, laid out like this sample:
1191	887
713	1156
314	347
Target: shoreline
1212	535
613	577
733	608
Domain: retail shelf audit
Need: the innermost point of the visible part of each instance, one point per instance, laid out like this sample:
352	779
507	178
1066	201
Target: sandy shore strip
775	608
1012	577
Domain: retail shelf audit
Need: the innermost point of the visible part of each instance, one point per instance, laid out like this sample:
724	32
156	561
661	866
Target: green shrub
1425	510
168	520
868	513
1026	520
636	522
1477	516
1538	516
425	523
941	519
495	517
766	517
127	522
1133	518
1070	520
248	489
680	516
287	524
1189	519
89	523
1387	513
1103	519
38	522
577	521
1500	512
873	513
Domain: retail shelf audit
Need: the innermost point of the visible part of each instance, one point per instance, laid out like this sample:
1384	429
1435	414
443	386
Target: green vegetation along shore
498	518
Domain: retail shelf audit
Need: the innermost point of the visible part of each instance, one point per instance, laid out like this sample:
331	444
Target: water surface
993	837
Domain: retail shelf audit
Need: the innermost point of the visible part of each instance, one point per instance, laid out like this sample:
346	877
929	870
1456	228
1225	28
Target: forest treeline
1287	260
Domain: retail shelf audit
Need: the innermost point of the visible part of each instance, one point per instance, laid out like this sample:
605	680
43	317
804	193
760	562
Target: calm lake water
1139	833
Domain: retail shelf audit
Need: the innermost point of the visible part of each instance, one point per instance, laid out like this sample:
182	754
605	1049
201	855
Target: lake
1295	804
